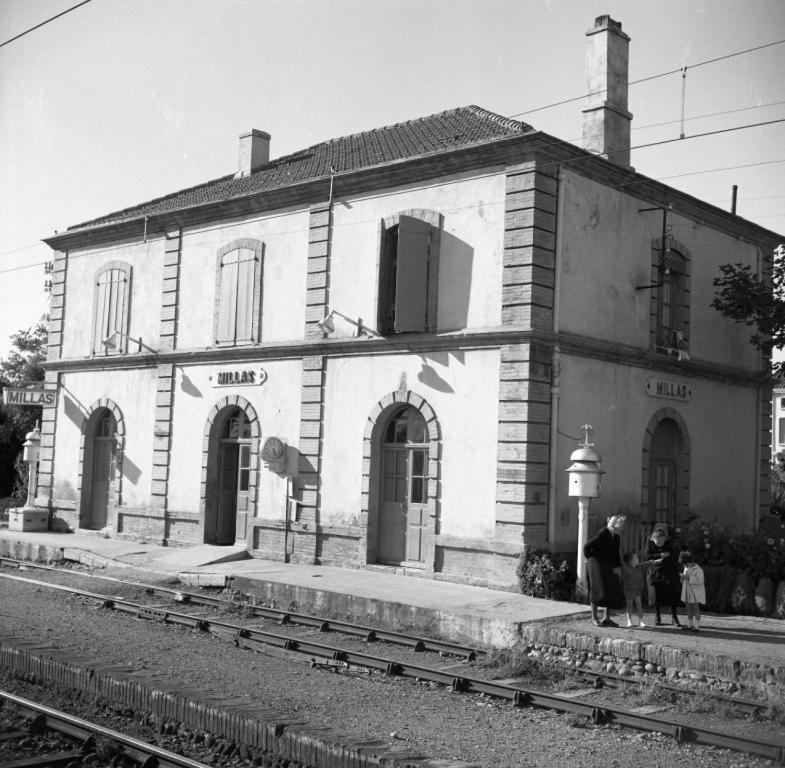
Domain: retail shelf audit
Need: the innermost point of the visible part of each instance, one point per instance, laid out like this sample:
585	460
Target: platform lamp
31	454
585	478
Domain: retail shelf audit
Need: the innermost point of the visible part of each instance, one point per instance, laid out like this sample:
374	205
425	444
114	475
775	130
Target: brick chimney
606	121
254	152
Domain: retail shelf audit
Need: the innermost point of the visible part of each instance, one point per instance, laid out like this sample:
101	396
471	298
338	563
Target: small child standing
693	589
632	578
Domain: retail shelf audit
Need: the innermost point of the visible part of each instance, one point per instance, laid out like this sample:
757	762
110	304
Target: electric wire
648	78
43	23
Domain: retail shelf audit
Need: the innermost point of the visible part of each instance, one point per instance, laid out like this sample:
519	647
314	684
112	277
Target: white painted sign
672	390
246	377
39	397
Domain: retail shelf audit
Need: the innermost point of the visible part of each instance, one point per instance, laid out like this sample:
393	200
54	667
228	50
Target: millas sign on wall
673	390
41	397
245	377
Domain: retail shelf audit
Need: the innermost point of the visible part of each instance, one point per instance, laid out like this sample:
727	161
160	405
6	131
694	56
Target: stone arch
683	470
213	421
376	421
88	422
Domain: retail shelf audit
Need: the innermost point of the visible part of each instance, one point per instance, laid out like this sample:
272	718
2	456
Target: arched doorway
229	477
403	488
99	464
665	493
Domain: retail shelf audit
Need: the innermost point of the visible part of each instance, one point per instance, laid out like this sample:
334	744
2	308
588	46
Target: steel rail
149	755
371	634
284	617
245	637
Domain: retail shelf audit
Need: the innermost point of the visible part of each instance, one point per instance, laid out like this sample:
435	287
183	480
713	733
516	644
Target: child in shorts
632	579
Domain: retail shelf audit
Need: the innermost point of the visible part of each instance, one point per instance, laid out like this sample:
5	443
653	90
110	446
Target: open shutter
411	279
227	303
101	309
245	286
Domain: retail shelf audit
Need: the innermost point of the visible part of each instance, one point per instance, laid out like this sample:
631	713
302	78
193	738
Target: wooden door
403	493
103	454
228	472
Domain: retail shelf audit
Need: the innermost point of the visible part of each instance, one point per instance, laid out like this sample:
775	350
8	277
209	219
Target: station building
380	351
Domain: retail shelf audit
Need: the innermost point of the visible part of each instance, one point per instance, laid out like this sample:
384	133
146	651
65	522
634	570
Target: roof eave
543	147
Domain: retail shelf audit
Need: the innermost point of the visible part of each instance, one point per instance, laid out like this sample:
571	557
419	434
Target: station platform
745	650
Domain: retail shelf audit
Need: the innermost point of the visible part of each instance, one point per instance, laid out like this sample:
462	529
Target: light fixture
109	342
327	324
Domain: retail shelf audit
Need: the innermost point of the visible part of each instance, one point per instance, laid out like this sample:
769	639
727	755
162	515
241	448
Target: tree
759	302
22	365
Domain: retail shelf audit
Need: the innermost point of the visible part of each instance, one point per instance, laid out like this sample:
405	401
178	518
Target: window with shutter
670	316
112	291
238	293
404	275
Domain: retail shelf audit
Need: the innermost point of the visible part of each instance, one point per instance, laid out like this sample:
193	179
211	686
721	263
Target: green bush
764	596
719	586
540	576
742	599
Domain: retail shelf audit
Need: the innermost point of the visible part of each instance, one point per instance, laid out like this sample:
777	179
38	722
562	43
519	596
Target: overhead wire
43	23
648	78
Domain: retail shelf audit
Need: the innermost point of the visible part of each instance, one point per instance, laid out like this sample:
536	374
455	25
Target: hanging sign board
39	397
672	390
245	377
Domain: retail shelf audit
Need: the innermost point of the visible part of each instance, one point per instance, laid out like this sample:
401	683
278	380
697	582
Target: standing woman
603	567
664	575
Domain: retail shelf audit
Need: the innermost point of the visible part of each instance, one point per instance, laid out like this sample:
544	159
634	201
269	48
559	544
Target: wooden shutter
110	309
227	301
411	279
245	286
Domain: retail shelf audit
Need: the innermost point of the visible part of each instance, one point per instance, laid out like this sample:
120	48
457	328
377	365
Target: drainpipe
556	364
758	422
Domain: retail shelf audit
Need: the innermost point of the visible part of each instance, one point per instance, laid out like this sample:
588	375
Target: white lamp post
585	481
31	453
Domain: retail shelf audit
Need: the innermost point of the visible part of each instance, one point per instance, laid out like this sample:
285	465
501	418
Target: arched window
671	313
238	293
110	313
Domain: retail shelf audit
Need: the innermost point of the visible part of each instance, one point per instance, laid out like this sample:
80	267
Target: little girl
693	591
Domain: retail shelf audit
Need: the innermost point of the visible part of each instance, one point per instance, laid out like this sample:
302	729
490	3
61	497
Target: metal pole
733	198
683	98
583	531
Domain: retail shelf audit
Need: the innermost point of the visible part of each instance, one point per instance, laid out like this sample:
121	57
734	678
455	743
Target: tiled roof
444	131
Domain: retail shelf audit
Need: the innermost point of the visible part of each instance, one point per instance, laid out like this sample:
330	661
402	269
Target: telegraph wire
708	114
38	26
650	77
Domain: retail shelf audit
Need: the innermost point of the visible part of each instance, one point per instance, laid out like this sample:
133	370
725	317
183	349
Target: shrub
779	601
719	586
742	599
764	596
540	576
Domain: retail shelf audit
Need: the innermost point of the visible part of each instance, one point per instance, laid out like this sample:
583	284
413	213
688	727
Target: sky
121	101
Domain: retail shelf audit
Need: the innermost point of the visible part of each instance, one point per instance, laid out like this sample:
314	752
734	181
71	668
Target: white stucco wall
285	238
720	421
462	389
146	260
606	253
133	391
470	261
277	404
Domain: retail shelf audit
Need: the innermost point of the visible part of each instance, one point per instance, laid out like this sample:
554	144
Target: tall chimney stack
254	152
606	121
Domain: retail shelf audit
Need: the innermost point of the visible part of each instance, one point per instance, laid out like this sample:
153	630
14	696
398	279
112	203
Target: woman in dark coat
603	566
664	574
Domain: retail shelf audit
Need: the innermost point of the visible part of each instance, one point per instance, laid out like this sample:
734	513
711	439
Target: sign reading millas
40	397
244	377
672	390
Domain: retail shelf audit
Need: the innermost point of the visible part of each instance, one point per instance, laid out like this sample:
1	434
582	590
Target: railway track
85	737
520	696
371	634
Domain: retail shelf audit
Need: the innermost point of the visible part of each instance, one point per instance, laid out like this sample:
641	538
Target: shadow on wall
430	376
74	410
189	387
456	261
130	470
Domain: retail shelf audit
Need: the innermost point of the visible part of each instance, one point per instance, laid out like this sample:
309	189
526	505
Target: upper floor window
110	308
671	316
408	273
238	293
